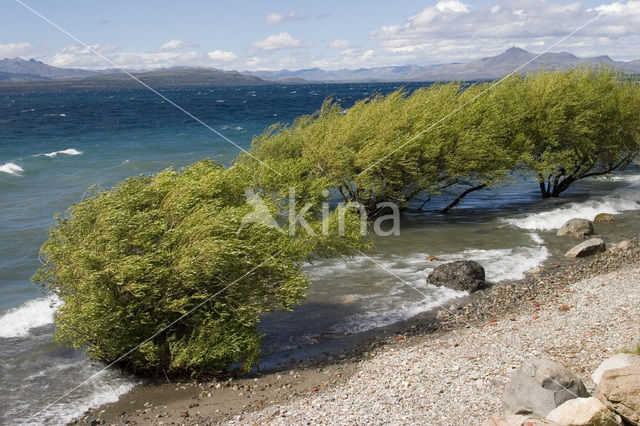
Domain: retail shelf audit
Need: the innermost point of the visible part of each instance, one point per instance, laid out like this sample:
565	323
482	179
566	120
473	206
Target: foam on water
11	168
105	387
410	294
69	151
620	200
101	393
19	321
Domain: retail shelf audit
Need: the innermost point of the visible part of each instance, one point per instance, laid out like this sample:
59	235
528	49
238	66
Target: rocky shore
446	367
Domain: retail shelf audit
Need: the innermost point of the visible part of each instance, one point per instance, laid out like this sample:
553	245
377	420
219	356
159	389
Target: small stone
604	218
576	228
584	412
587	248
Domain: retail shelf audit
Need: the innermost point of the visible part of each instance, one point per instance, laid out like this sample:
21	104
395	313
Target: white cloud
452	30
339	44
278	18
11	50
219	55
78	56
277	42
453	6
175	45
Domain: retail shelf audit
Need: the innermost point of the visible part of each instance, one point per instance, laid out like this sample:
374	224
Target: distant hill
7	76
483	69
35	69
171	78
498	66
19	74
360	74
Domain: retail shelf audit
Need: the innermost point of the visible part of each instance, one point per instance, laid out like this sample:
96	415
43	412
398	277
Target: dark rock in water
587	248
538	386
604	218
461	275
619	389
576	228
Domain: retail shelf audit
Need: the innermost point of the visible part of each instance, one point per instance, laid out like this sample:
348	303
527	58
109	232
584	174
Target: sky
331	34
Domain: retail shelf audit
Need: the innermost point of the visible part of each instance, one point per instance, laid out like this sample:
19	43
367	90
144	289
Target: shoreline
189	402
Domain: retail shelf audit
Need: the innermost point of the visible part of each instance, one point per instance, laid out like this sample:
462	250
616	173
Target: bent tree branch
556	184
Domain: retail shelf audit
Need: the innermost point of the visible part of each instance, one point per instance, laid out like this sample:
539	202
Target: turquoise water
53	146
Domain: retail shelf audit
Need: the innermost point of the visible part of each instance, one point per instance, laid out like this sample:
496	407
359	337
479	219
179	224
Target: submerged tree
580	123
394	148
165	261
563	126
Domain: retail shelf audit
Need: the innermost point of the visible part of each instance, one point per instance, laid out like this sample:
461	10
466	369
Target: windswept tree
164	274
580	123
397	147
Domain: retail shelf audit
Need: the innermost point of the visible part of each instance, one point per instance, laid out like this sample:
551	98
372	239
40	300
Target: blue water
120	134
55	145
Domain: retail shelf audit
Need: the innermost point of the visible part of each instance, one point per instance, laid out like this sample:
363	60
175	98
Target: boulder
515	420
587	248
619	390
462	275
616	361
584	412
576	228
624	245
604	218
538	386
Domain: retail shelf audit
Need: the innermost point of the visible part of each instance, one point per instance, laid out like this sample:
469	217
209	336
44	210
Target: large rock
462	275
619	389
616	361
584	412
604	218
538	386
576	228
515	420
587	248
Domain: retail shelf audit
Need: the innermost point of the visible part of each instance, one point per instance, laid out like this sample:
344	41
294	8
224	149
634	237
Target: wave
19	321
105	387
69	151
100	394
11	168
405	299
620	200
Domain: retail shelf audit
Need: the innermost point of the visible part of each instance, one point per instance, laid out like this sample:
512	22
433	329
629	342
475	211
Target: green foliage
579	123
168	256
133	260
562	126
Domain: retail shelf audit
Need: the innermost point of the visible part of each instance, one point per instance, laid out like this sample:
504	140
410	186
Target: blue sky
329	34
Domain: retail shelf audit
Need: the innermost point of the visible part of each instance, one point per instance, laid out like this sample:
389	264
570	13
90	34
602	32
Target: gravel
577	316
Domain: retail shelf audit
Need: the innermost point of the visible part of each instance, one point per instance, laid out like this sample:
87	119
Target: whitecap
69	151
100	394
19	321
11	168
620	200
407	293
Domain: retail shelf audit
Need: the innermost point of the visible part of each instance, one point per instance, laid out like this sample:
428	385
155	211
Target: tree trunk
461	196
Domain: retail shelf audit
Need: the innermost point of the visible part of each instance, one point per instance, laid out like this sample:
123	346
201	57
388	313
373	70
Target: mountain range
489	68
17	73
